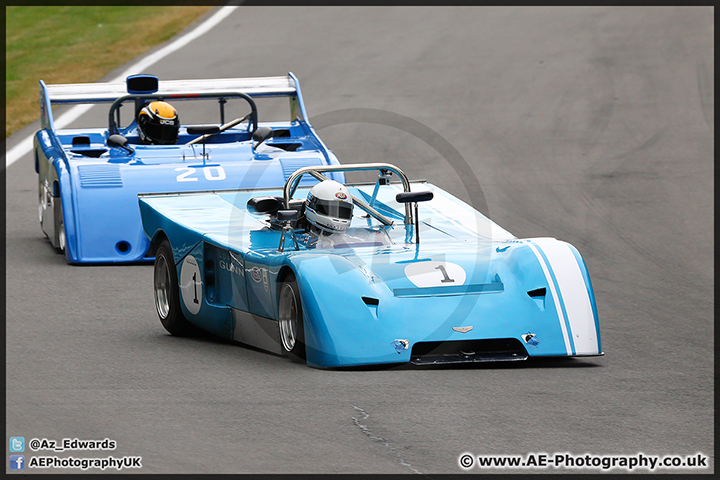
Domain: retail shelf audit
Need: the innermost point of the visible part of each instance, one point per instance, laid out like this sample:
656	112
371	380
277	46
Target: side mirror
412	197
261	134
415	197
119	141
142	84
203	129
264	205
287	215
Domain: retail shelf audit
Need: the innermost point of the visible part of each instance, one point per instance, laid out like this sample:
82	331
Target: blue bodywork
87	189
469	291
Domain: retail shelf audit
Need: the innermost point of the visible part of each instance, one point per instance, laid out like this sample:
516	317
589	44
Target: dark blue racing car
89	178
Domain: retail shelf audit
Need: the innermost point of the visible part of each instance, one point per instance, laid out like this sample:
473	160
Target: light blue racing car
343	275
89	178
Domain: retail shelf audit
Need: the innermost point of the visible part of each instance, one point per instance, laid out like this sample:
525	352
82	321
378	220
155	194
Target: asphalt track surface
591	125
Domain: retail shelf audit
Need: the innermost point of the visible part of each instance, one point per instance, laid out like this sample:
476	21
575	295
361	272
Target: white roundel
191	284
435	274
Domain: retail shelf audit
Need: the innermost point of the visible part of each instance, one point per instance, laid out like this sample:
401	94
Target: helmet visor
333	209
163	134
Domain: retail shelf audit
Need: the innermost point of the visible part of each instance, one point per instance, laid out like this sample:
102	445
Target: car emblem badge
462	329
256	274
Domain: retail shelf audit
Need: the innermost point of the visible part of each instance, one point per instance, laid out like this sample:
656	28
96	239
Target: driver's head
329	206
158	123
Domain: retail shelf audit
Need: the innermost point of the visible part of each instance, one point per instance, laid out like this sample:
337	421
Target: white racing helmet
329	206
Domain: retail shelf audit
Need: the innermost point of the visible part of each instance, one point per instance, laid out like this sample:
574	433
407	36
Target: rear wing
92	93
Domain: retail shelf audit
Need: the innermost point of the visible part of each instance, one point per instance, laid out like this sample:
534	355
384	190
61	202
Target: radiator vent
289	165
468	351
99	176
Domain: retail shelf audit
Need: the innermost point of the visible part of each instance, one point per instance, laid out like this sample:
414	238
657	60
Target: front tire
290	320
61	236
167	293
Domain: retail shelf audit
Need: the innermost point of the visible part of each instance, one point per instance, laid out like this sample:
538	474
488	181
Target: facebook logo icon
17	462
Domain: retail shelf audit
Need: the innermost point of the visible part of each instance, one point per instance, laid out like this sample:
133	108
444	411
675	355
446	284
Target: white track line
24	146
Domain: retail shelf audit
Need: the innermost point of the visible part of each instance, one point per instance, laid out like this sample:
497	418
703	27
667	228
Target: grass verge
77	44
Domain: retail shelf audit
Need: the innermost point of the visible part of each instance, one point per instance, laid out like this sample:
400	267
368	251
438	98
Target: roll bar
316	171
114	115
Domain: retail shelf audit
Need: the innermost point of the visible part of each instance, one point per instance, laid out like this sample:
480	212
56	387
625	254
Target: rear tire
167	293
41	203
290	320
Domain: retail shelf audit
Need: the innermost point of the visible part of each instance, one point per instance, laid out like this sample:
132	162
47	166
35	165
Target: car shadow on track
544	363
